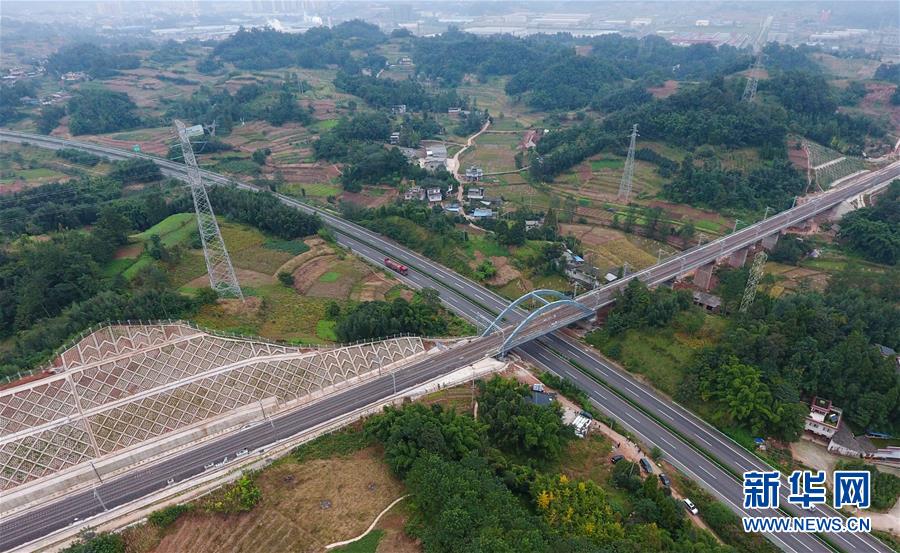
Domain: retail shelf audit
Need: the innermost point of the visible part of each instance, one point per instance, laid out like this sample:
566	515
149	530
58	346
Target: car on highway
646	465
242	452
689	505
616	458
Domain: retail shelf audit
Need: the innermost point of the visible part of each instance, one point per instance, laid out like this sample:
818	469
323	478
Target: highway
479	305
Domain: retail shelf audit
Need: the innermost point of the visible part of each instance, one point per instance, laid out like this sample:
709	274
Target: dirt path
453	164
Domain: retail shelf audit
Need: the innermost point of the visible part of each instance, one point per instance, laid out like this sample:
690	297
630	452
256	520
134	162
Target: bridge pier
738	258
703	276
769	241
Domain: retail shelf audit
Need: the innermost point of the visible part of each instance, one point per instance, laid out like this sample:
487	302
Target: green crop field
167	226
330	276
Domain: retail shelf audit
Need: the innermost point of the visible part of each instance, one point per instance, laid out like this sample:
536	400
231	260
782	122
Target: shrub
167	516
239	497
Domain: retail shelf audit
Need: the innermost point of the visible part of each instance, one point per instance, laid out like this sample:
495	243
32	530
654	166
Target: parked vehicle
616	458
394	266
242	452
689	505
646	465
665	480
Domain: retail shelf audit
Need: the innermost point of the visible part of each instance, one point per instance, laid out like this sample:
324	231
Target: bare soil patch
291	517
667	89
373	287
317	247
368	199
306	275
395	539
505	271
244	276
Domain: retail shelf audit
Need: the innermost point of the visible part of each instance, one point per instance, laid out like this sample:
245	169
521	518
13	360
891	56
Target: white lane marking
707	472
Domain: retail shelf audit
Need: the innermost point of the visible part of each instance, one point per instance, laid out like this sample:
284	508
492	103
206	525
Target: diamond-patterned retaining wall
130	383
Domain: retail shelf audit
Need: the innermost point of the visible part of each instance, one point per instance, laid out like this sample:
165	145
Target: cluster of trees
49	118
52	290
773	184
472	122
384	93
546	68
790	249
316	48
531	434
358	142
480	484
802	345
95	110
562	149
567	82
811	105
78	156
104	542
77	203
263	211
888	72
10	99
379	319
707	113
639	307
272	102
414	128
169	53
874	232
337	143
133	170
96	61
451	55
370	163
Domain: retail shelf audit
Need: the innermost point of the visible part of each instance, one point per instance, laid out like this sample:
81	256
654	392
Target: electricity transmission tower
752	79
625	185
221	273
756	271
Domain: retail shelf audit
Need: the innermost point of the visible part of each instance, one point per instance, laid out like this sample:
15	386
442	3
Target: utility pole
756	271
625	185
218	264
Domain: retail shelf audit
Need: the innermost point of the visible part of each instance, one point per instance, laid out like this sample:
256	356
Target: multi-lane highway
658	420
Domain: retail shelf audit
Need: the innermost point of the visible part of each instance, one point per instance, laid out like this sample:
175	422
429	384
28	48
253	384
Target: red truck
393	265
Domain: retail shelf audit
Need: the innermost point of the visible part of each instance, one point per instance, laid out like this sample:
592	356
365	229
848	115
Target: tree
49	118
416	431
577	508
286	278
112	227
260	154
875	231
135	170
520	427
463	507
104	542
156	249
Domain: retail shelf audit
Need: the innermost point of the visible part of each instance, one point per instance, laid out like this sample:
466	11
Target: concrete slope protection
657	419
